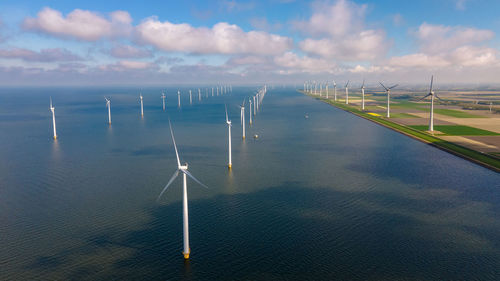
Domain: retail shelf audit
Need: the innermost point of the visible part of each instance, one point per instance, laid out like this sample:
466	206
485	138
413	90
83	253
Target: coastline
455	149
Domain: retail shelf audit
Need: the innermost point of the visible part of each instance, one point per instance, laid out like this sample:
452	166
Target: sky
58	42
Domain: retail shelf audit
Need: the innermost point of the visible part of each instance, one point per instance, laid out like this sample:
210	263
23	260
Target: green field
457	130
403	115
455	113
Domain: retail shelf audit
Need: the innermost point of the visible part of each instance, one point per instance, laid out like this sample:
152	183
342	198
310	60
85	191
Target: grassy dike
464	152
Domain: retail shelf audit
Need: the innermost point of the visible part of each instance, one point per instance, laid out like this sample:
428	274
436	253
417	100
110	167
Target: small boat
255	136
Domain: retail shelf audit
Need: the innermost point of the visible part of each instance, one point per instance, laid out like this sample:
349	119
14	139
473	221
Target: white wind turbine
142	106
163	98
178	98
254	106
326	85
250	109
185	220
242	117
190	98
431	114
108	105
388	90
335	90
363	95
228	122
52	109
199	94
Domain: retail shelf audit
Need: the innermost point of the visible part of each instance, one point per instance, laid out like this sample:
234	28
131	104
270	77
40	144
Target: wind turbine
431	114
363	95
335	90
326	85
347	92
254	106
52	109
388	90
108	105
242	117
250	109
163	98
184	170
199	94
178	98
142	106
228	122
190	98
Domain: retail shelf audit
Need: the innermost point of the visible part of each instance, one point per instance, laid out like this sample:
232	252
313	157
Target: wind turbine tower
108	105
388	90
52	109
228	122
185	173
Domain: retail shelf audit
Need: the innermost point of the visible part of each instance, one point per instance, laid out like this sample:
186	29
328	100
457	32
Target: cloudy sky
57	42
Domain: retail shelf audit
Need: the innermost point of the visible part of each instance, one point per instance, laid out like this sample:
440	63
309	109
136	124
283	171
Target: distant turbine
335	90
347	92
52	109
388	90
363	95
142	106
242	117
250	109
228	122
163	98
326	85
254	106
431	114
185	220
217	90
199	94
212	91
320	88
190	98
108	105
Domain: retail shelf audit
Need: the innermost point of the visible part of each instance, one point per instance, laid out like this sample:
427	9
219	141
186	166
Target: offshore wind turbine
190	98
52	109
199	94
163	98
108	105
363	95
250	109
347	92
242	117
326	85
431	113
228	122
388	90
178	98
254	106
185	220
142	105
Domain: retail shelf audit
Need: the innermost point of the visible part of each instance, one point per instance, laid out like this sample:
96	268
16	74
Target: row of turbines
218	89
311	87
255	100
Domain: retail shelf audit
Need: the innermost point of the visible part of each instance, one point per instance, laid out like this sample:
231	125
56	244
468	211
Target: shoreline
455	149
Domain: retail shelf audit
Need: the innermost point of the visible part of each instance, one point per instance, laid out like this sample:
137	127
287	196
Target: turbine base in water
229	166
186	255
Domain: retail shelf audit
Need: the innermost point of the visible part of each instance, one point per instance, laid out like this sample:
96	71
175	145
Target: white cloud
222	38
439	38
127	51
126	65
80	24
338	32
293	62
45	55
460	4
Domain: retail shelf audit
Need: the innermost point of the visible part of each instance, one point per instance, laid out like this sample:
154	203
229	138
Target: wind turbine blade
393	86
51	102
225	107
362	86
193	178
383	86
347	84
175	146
432	81
439	98
168	184
423	97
